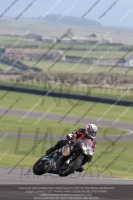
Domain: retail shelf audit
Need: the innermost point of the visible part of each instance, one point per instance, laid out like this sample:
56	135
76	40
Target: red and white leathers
79	135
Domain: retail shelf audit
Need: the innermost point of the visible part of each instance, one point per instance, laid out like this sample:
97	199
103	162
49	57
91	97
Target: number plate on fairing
84	147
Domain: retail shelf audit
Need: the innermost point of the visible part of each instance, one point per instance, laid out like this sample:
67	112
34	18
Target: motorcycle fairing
86	146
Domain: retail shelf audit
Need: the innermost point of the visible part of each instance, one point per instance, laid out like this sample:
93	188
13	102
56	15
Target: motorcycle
66	160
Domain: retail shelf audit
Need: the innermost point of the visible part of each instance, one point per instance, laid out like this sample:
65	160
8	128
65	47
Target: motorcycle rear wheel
65	171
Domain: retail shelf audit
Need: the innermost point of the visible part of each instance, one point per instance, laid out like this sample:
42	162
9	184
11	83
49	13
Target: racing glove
69	136
89	158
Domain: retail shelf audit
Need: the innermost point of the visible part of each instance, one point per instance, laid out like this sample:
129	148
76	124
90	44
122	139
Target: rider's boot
80	169
59	145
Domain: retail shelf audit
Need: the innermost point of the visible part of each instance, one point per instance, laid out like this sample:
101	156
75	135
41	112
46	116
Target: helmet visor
92	133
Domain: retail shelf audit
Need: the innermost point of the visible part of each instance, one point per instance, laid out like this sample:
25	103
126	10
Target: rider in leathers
89	132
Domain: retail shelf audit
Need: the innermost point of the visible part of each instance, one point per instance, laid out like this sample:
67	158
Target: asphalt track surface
24	176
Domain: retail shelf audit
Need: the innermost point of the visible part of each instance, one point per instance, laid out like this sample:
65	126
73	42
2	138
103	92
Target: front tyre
66	169
38	167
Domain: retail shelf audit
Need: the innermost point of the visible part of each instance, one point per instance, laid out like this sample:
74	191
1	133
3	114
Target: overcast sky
120	15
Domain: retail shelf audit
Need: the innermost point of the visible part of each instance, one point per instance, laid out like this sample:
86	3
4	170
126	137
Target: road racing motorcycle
65	160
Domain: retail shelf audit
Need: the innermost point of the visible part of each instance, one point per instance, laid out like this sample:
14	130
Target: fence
67	95
79	89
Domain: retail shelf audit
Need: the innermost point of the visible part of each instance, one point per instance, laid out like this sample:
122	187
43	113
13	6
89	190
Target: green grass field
4	67
12	150
118	168
10	124
64	106
73	67
9	38
15	153
97	54
28	102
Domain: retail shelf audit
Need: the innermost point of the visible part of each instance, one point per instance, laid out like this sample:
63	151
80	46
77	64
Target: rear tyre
66	169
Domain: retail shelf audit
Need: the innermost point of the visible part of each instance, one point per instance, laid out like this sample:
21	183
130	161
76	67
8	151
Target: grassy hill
76	21
65	67
8	65
47	27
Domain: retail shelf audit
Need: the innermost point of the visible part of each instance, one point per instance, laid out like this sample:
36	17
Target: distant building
118	62
79	40
15	54
45	55
106	41
34	54
66	40
84	40
129	63
58	54
32	37
48	40
91	39
93	36
106	62
96	37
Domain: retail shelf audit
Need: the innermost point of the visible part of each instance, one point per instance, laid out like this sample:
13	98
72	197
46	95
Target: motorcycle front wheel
38	167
